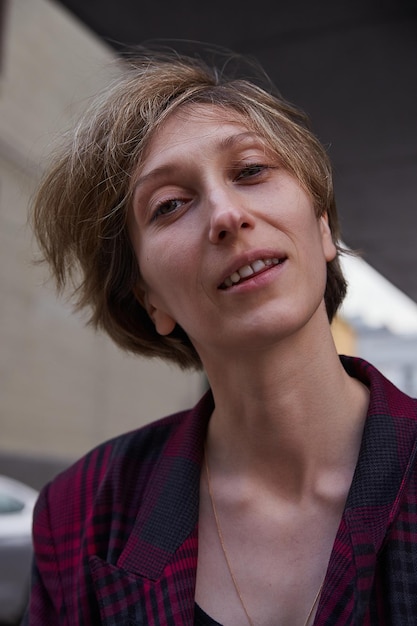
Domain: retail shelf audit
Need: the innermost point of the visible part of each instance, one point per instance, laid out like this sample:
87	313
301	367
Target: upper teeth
248	270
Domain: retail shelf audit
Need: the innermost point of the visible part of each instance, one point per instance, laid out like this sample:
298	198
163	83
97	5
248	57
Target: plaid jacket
116	534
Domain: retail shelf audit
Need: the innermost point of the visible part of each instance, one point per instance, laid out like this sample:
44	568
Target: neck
274	412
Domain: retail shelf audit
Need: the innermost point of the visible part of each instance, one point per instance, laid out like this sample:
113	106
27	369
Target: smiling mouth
247	271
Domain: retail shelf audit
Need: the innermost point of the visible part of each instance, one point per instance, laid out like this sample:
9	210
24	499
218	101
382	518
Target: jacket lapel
127	598
385	461
153	581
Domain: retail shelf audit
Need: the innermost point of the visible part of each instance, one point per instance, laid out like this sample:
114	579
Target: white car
16	510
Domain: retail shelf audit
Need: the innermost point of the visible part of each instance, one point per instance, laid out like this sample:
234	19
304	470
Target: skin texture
284	437
225	201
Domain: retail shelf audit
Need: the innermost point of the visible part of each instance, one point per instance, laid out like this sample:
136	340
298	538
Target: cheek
147	261
151	271
161	269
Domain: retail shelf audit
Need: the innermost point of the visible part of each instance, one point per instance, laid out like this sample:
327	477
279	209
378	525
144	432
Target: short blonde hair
80	210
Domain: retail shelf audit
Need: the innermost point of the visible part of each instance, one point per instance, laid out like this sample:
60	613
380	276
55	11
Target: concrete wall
63	388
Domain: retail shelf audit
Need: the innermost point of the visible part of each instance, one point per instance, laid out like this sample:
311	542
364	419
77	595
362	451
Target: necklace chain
226	556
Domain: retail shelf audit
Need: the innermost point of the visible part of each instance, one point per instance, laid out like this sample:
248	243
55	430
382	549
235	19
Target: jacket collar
386	456
381	477
171	501
170	513
154	578
160	557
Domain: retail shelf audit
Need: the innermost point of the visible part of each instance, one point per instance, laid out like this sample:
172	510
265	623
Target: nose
227	217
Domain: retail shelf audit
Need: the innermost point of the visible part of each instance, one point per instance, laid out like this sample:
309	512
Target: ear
329	247
163	322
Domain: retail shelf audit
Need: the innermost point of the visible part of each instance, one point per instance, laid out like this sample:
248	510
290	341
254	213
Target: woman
195	214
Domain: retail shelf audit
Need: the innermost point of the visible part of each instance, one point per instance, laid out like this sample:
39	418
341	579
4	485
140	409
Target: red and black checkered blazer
116	534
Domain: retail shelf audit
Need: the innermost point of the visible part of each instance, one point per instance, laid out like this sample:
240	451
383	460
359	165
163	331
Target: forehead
198	123
203	116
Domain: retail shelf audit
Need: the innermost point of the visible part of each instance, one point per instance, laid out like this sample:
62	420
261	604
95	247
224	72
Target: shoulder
386	469
123	466
385	397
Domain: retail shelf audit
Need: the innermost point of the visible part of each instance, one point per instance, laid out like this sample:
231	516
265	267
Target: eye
250	170
166	207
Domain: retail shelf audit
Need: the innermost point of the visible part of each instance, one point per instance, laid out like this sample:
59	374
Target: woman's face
228	243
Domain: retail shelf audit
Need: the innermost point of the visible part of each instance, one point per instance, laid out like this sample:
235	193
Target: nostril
222	235
244	225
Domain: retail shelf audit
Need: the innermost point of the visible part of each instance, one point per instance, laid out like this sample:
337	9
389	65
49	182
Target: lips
251	269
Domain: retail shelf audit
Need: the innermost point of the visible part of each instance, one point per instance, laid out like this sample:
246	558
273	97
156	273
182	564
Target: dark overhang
352	66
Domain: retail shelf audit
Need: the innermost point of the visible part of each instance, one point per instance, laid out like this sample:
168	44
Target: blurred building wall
344	336
63	388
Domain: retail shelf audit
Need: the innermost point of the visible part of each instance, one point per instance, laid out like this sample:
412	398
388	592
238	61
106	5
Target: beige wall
344	337
63	388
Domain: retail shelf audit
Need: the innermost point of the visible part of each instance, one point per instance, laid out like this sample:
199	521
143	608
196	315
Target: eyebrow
225	143
232	140
159	172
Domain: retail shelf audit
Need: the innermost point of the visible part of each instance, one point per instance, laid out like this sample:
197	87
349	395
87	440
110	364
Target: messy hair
81	208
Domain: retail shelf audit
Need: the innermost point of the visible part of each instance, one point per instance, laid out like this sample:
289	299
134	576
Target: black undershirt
202	619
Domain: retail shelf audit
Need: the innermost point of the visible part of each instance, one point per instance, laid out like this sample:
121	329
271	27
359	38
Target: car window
8	504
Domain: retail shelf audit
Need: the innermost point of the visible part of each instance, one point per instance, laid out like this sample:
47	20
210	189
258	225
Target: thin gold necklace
226	556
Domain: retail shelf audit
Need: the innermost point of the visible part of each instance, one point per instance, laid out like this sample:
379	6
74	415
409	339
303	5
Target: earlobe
329	247
164	323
